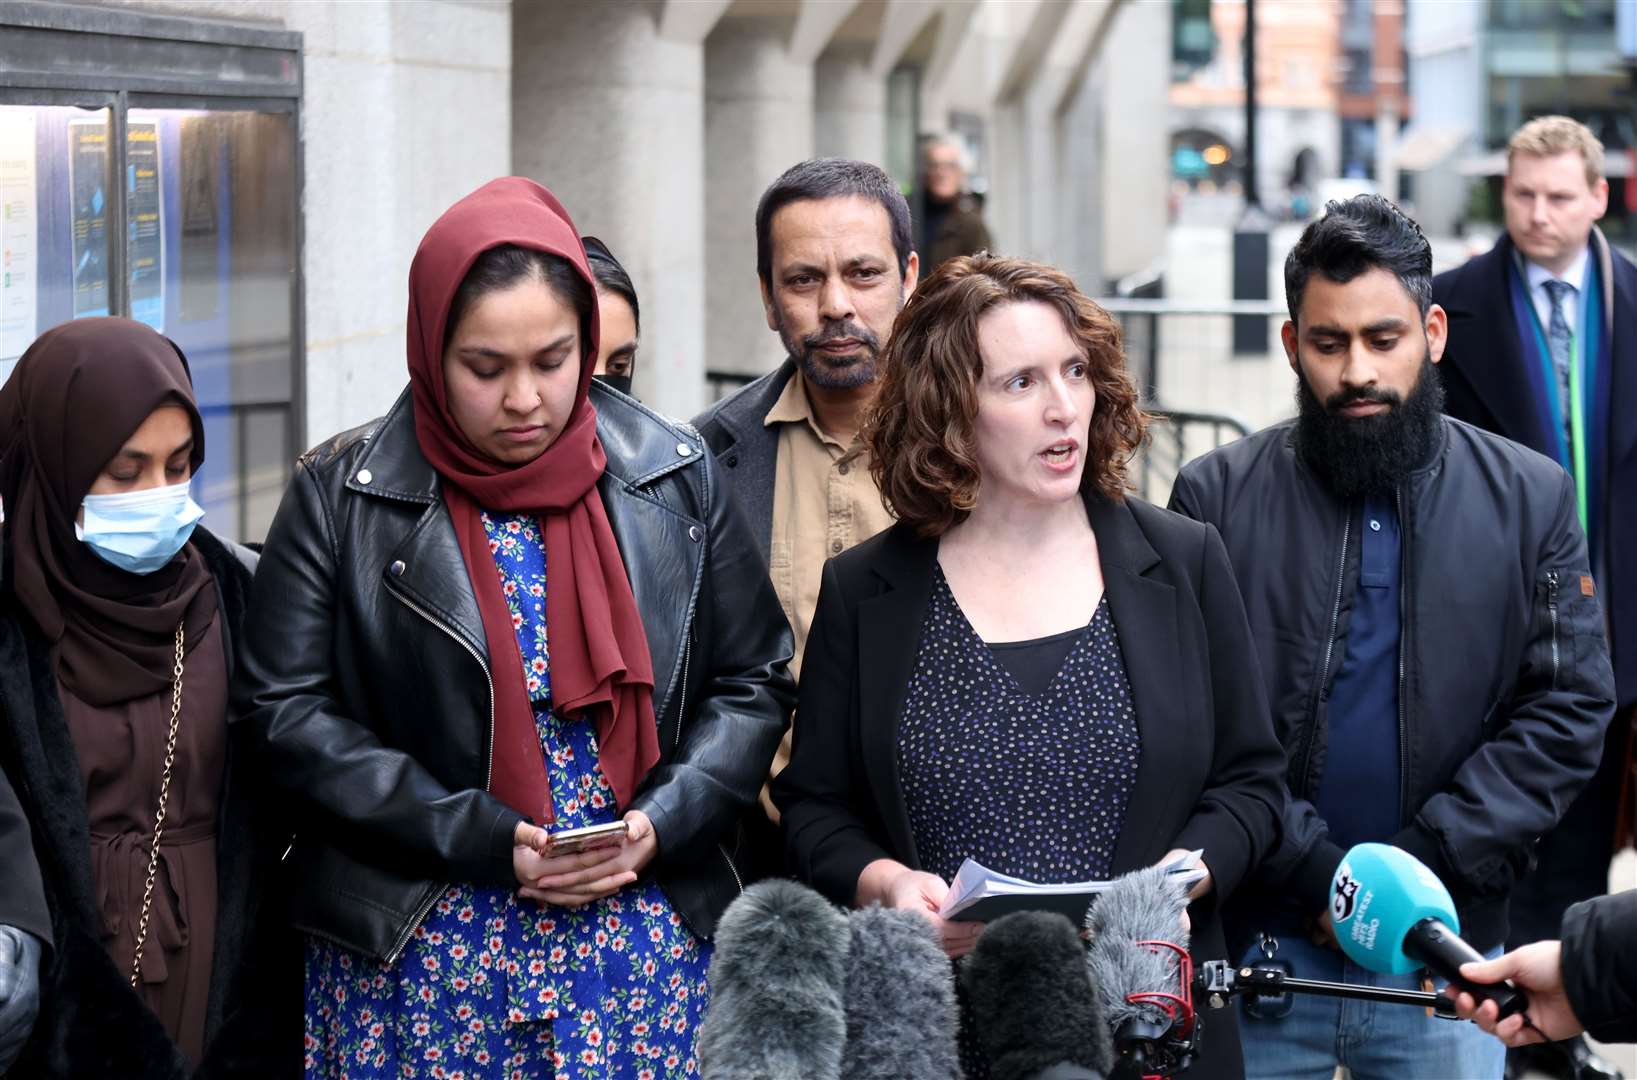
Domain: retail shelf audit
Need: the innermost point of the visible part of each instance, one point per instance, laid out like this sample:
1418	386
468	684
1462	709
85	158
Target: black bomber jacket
1505	686
365	677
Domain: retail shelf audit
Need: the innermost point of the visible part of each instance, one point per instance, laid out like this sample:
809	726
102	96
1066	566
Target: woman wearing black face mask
118	617
621	322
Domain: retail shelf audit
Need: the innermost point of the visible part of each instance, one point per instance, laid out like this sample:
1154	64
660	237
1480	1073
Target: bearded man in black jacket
1428	630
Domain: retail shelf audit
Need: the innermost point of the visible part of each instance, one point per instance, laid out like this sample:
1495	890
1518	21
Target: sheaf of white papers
974	882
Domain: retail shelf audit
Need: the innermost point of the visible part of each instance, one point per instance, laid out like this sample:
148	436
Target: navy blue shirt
1358	794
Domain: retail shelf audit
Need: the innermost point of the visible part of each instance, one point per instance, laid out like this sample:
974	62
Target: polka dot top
1030	784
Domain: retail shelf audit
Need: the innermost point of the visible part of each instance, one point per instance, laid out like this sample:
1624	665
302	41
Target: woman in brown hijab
117	621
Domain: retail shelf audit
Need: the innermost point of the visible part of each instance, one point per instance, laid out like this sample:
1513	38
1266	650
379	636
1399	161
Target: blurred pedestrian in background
951	217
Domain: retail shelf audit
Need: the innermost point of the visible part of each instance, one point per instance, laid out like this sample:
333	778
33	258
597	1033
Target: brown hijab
78	393
600	666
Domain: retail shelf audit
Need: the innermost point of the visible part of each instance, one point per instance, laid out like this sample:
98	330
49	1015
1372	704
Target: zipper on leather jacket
1551	610
682	687
488	754
1329	646
393	956
734	870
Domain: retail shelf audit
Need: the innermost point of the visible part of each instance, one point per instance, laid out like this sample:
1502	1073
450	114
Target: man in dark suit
1543	350
836	263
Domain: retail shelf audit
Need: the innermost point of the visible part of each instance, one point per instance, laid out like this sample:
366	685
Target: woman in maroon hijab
513	607
118	618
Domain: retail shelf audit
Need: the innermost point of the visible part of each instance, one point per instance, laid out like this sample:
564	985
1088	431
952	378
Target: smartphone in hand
568	841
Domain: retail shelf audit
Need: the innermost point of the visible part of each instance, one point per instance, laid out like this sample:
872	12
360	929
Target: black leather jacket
365	675
1504	679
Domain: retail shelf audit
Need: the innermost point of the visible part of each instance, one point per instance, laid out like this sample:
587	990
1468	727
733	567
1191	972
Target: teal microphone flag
1379	895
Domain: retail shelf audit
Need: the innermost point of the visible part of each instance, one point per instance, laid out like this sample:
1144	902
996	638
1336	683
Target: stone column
1022	204
849	106
1136	151
758	123
1387	147
609	114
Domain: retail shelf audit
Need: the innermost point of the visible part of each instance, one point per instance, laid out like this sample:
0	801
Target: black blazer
1210	771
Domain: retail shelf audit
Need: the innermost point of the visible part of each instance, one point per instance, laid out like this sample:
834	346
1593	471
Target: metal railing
1160	329
1181	353
1174	439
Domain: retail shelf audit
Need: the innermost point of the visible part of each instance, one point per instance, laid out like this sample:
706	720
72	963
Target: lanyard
1577	425
1576	405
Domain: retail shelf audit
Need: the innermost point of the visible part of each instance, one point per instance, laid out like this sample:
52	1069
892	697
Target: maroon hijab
78	393
599	662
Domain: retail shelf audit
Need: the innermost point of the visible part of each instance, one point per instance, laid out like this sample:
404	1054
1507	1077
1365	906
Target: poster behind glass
209	232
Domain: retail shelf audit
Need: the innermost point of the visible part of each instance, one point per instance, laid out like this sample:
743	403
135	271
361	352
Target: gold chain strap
159	815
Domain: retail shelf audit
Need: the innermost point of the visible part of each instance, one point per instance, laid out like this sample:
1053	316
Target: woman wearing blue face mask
118	616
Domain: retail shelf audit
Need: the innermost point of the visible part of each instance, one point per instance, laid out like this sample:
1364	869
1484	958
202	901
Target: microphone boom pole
1219	981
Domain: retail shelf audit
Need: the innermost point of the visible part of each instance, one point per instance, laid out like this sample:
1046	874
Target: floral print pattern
491	985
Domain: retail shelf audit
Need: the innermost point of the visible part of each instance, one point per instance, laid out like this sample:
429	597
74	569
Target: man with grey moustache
836	263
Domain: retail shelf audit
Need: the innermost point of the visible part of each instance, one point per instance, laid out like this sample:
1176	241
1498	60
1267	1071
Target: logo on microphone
1344	894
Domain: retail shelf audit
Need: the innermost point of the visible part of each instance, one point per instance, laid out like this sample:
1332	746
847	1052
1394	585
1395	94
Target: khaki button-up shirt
822	506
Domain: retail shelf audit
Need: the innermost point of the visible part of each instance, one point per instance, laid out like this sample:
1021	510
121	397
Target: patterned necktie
1561	341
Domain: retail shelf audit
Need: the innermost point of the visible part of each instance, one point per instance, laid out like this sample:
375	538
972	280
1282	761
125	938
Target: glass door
150	168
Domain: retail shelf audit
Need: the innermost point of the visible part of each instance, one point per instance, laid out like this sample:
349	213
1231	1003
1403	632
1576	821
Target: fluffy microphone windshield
901	1016
1140	906
1033	1003
777	981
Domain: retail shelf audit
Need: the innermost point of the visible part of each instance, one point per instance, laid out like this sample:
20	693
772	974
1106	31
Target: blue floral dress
492	985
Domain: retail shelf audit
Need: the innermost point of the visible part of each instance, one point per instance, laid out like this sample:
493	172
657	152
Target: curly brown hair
919	432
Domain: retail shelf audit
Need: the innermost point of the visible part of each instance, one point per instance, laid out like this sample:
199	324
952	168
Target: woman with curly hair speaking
1031	669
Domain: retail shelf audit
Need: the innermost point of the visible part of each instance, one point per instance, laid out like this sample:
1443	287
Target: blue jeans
1374	1041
